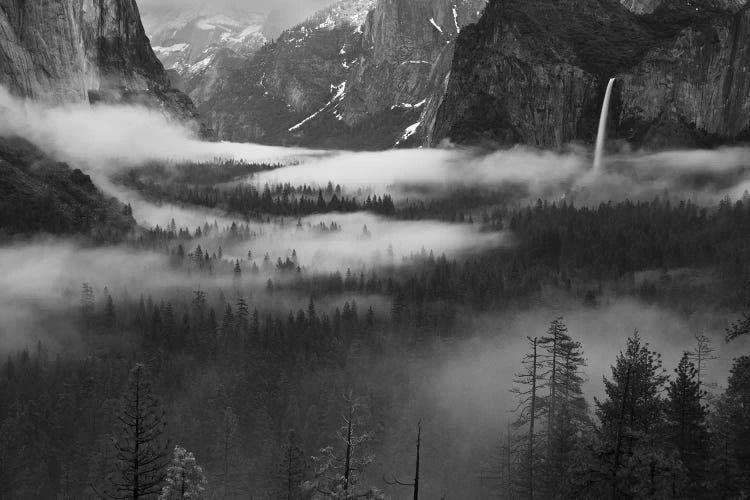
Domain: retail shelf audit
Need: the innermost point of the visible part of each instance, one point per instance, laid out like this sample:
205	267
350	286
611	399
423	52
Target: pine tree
237	271
632	419
185	478
291	470
570	417
687	427
701	354
531	383
732	429
337	473
557	334
109	312
226	454
141	450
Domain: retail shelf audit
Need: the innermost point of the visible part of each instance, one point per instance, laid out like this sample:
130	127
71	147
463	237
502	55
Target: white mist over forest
105	139
296	268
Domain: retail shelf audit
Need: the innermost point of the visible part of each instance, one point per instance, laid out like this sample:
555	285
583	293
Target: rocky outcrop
535	73
73	50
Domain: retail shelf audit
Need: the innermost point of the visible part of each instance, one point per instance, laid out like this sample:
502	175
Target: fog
49	274
461	384
105	139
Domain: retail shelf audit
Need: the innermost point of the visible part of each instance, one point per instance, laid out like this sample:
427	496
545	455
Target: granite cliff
84	50
535	73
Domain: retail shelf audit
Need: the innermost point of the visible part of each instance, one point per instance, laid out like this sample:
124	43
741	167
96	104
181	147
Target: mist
458	383
105	139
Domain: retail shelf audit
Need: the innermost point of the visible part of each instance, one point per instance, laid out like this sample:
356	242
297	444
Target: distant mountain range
187	41
359	74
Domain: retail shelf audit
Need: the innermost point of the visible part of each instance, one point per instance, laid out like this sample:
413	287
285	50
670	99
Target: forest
333	341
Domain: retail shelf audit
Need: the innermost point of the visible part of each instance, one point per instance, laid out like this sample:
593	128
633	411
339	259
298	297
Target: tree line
652	435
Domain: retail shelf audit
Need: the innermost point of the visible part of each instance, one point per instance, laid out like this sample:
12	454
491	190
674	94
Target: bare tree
394	481
702	353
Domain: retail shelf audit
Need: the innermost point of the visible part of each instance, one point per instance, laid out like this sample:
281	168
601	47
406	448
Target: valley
379	249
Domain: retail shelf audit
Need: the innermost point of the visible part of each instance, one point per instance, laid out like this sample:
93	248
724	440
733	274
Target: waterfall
601	136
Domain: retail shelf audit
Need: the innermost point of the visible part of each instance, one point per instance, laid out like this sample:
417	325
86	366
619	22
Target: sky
280	14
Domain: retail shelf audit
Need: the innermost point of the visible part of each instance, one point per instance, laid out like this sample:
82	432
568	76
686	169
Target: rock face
356	75
76	50
402	41
535	73
649	6
692	90
406	47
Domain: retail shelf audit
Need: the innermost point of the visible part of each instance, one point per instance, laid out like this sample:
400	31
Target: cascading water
601	136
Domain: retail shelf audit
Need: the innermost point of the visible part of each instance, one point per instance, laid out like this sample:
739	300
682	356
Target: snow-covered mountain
363	74
187	40
359	74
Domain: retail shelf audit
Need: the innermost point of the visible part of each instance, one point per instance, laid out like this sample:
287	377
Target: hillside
40	195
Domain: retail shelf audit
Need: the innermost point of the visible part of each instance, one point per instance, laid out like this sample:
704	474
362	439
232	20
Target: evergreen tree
141	448
185	478
291	470
687	427
701	354
570	417
732	427
109	312
530	385
632	423
337	473
226	453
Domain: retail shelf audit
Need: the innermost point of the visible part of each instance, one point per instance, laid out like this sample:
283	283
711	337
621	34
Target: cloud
471	381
